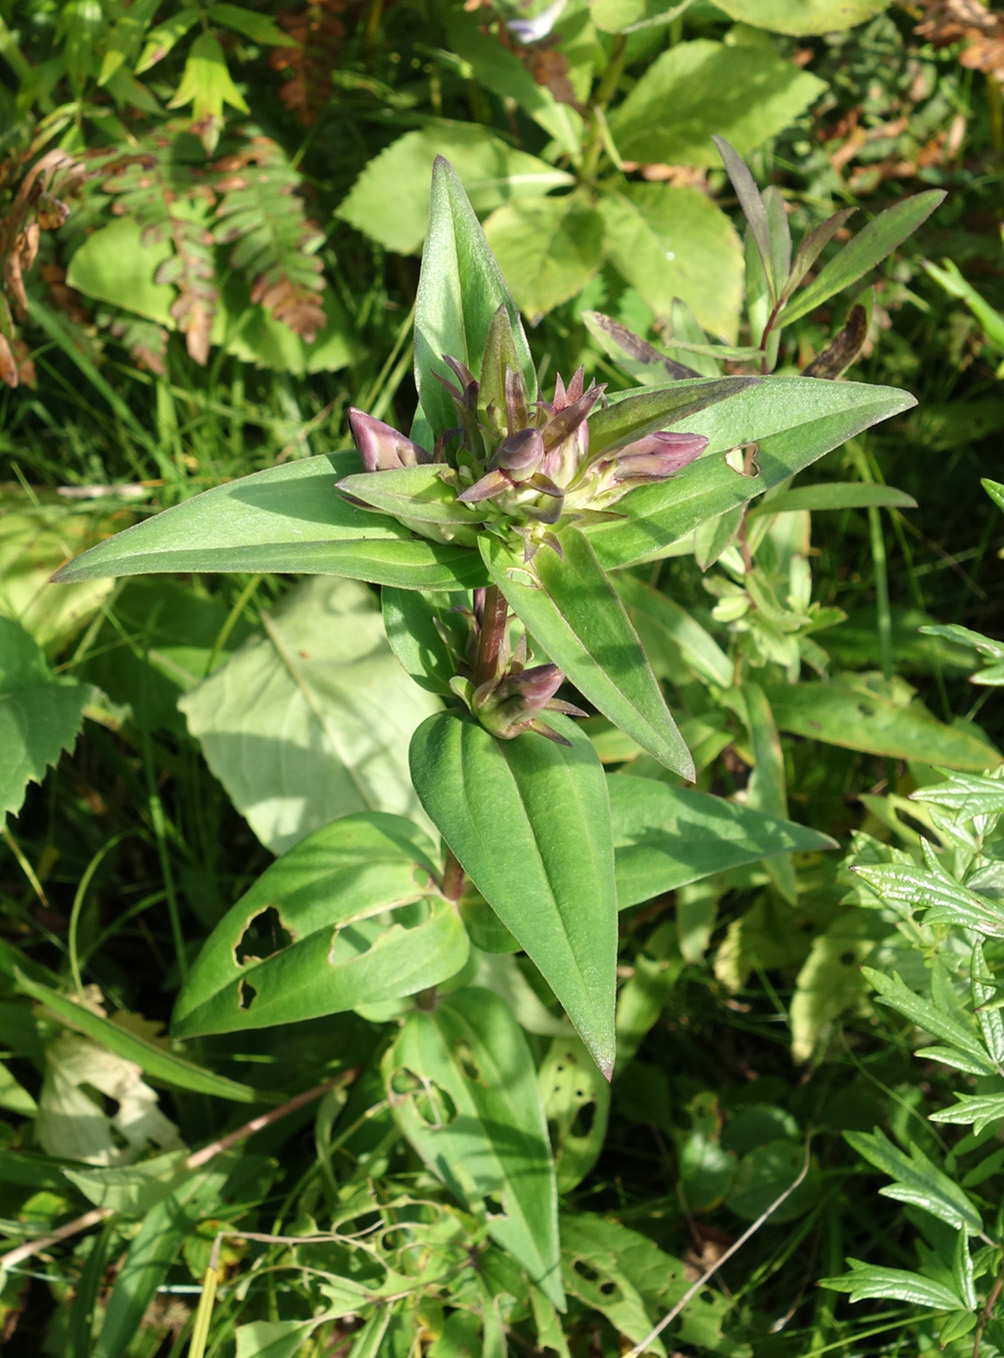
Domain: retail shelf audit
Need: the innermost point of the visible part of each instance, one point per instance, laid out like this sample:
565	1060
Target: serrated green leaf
286	519
865	249
529	821
289	724
980	1110
968	794
157	1063
917	1180
927	1016
944	900
40	714
793	421
675	243
700	88
460	289
463	1088
548	249
574	613
988	1013
350	915
894	1284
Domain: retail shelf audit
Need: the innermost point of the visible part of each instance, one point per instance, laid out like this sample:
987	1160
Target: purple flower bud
519	452
513	705
656	457
382	448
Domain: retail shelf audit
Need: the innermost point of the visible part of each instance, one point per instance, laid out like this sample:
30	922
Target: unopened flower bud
519	452
513	705
656	457
381	447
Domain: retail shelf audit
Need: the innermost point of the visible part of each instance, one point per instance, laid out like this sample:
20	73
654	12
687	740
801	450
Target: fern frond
319	35
167	194
274	242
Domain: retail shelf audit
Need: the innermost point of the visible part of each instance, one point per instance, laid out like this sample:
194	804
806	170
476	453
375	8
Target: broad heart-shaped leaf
793	421
802	16
665	837
675	243
310	719
863	716
463	1088
286	519
40	714
460	289
350	915
548	249
529	821
864	250
573	612
389	200
700	88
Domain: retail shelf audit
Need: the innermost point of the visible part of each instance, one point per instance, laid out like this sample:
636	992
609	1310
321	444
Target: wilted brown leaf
967	21
319	35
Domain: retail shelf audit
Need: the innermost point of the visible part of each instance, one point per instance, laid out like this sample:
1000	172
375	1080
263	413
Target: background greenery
212	219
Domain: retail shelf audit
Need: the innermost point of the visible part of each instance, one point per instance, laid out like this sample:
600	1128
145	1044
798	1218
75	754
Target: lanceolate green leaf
835	495
159	1065
865	249
573	611
459	290
529	821
665	837
286	519
350	915
792	420
463	1087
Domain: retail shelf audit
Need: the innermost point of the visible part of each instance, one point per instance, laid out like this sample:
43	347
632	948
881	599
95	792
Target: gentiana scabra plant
496	527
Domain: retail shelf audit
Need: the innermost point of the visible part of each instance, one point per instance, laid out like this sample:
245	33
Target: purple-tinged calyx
381	447
656	457
512	705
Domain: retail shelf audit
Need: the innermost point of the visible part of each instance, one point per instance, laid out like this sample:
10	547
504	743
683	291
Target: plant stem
493	622
453	877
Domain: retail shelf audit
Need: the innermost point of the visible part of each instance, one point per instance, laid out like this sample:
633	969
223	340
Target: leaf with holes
289	724
576	1103
529	821
349	916
463	1089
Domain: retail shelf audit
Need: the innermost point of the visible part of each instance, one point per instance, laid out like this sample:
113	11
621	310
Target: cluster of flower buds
525	465
512	700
